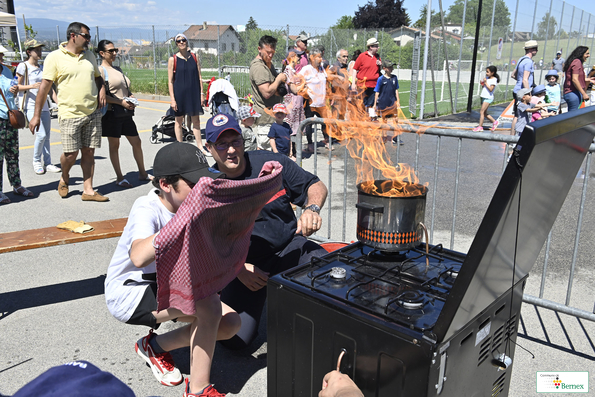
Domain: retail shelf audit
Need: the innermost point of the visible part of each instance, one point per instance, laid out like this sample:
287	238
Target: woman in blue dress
185	89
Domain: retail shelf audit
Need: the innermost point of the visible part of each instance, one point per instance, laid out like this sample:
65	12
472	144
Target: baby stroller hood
225	87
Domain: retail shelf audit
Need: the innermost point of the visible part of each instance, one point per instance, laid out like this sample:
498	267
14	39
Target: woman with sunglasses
185	89
117	88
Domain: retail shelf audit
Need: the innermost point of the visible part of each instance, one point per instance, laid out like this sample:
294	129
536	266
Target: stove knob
338	273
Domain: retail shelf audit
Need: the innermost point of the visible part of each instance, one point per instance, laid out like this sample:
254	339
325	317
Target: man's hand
336	384
252	277
309	223
34	124
102	99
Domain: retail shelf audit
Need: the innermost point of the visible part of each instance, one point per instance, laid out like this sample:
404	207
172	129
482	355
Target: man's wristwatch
313	208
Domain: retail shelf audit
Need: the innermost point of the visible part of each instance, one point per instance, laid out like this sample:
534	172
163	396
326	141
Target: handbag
119	110
15	116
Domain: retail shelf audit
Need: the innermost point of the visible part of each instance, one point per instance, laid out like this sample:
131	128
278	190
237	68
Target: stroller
223	98
165	126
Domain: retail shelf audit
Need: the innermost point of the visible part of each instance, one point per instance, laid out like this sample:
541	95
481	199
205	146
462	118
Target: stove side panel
306	336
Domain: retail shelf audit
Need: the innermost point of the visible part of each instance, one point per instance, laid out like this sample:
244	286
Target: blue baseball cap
539	89
219	124
77	378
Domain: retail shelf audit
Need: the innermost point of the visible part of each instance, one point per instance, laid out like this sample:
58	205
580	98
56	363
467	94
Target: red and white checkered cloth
203	247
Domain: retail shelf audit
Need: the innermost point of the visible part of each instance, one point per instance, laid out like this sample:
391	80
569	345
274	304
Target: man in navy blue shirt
278	240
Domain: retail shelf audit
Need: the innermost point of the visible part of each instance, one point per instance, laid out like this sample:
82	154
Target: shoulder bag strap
5	101
23	104
125	82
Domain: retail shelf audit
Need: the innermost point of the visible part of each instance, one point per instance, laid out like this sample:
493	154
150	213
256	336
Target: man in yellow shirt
81	95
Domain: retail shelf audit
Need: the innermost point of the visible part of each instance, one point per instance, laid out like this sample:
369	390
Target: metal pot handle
370	207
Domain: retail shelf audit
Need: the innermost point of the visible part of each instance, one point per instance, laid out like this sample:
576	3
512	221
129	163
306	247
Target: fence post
580	27
287	41
491	32
425	67
560	29
96	36
460	55
570	29
512	42
218	51
533	24
547	33
58	33
154	61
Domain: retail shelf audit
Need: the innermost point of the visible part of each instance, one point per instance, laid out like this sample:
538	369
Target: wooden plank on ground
50	236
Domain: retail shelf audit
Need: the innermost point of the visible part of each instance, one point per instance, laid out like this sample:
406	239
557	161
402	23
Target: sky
304	13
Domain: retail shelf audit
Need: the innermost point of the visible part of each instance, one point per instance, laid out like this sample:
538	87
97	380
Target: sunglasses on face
226	145
113	50
85	36
181	41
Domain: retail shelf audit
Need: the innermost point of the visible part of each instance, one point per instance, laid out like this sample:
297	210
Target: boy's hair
170	180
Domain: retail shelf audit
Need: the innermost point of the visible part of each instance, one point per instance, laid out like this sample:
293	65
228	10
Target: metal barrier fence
495	34
440	192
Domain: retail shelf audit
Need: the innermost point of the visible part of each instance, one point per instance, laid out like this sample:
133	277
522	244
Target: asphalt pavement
52	308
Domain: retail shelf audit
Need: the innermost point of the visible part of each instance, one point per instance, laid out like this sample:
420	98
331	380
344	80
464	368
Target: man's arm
336	384
101	88
310	221
42	95
269	89
526	75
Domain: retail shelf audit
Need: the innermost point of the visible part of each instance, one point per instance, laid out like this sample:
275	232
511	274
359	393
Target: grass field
143	81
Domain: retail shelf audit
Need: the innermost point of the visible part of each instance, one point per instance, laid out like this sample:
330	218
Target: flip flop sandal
4	199
124	184
149	177
25	192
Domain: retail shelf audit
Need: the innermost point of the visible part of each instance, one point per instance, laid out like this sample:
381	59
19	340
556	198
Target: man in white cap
523	74
366	72
301	50
558	65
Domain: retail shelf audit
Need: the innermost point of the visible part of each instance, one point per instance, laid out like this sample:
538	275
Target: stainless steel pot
390	223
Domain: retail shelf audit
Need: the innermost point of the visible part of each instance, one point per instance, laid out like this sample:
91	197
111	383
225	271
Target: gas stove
409	287
411	323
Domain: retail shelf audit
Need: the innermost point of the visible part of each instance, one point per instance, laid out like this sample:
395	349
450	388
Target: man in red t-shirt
366	72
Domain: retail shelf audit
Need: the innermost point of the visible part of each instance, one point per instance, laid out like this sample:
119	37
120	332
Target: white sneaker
52	168
38	168
161	364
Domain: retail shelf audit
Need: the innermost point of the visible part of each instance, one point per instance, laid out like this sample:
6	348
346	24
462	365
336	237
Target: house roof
407	29
197	32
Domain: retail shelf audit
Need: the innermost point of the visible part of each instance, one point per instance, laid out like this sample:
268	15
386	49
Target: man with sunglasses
278	240
81	95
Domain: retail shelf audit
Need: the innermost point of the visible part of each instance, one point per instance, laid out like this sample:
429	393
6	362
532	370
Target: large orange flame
365	140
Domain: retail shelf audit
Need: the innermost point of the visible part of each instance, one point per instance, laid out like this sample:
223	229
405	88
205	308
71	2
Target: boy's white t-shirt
485	93
124	284
35	76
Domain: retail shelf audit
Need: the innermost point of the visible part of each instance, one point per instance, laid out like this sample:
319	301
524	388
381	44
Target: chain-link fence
452	49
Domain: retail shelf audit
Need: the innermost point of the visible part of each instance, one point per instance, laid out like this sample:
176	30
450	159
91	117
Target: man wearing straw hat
524	75
366	72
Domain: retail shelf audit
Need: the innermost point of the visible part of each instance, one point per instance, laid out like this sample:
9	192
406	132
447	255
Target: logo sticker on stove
562	382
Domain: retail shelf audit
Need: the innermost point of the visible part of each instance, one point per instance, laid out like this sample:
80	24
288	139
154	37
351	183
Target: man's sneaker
209	391
494	125
478	129
38	168
162	364
52	168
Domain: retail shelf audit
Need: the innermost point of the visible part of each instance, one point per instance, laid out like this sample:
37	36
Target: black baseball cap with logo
183	159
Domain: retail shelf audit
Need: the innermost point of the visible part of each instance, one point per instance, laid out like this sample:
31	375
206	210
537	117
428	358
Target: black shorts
115	127
369	96
143	315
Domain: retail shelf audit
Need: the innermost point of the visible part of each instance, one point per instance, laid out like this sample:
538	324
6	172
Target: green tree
383	14
29	32
542	27
434	19
251	25
345	22
501	15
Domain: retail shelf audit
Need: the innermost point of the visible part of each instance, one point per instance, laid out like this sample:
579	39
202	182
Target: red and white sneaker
209	391
162	364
